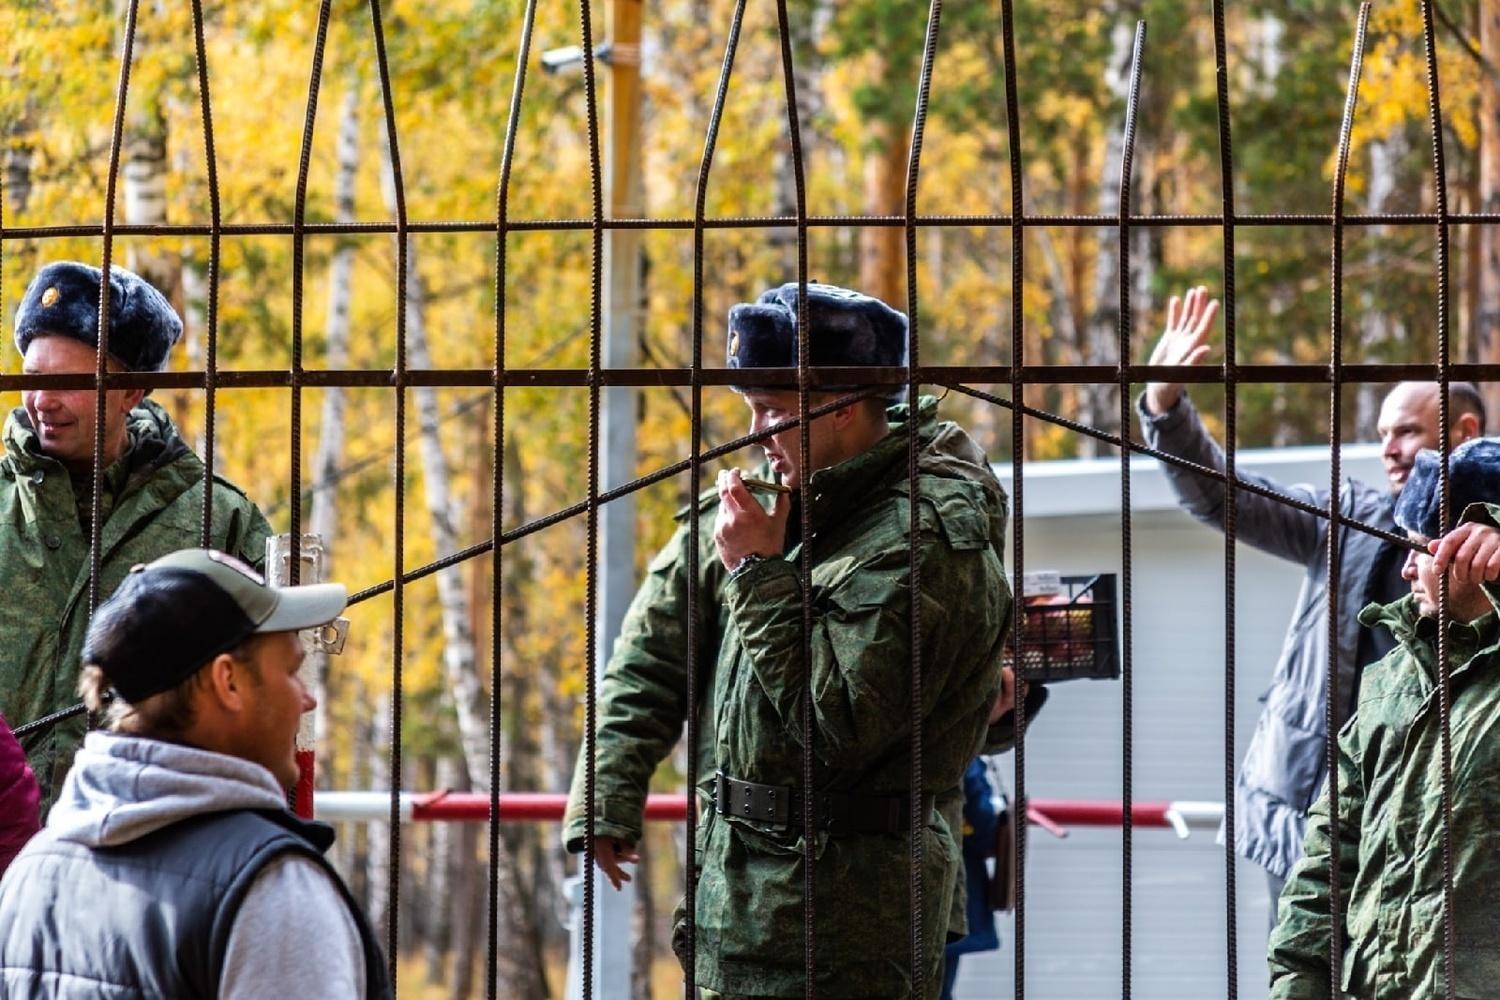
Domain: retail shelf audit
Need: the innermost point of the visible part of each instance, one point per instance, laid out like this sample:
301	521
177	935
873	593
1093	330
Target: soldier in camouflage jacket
1390	825
151	499
750	894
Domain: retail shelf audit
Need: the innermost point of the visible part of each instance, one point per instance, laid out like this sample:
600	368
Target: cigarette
762	484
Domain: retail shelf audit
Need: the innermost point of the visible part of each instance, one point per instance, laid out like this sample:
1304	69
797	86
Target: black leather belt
837	813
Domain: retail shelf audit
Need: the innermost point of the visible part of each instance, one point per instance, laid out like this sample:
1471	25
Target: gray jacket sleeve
1270	526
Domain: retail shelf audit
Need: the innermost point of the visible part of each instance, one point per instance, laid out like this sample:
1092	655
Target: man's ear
224	682
1465	428
844	415
131	399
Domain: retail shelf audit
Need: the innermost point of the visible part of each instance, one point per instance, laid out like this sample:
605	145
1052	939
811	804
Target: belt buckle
763	805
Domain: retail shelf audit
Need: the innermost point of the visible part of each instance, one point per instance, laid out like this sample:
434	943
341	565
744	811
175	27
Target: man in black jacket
170	866
1284	766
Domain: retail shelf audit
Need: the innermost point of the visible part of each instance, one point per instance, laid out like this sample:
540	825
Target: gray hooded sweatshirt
293	933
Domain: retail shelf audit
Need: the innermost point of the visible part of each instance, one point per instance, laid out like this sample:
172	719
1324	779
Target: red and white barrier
1052	815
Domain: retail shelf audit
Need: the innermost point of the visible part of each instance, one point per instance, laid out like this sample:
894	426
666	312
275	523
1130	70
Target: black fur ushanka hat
63	301
848	330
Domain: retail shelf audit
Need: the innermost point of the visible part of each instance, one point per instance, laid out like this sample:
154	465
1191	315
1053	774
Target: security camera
556	60
570	57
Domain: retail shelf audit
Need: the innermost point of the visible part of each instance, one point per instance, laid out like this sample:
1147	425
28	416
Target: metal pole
279	574
615	915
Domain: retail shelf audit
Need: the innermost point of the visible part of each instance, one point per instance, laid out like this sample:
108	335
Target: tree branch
1461	38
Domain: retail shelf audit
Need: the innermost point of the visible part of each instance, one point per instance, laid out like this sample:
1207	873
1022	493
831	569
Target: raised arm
1184	341
1169	423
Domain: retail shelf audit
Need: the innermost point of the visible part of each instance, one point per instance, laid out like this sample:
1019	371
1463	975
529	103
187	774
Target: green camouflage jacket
1391	828
153	505
751	658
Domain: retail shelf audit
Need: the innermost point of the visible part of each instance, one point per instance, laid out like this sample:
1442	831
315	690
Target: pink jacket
19	797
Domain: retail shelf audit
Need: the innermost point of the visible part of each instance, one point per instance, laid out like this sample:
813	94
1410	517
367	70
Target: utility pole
614	912
1486	318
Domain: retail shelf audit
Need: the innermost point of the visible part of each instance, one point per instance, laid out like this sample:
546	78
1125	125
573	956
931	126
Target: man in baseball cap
170	864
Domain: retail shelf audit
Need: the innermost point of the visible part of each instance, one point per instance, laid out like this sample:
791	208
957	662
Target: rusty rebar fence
962	378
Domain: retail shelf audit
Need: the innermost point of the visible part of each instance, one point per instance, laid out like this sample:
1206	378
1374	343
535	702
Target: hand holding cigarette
765	485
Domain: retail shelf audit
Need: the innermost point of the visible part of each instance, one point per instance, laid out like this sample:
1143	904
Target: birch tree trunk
378	834
1374	321
192	277
19	154
143	179
195	329
552	754
807	72
443	516
521	956
323	521
143	171
558	740
436	925
1098	346
467	918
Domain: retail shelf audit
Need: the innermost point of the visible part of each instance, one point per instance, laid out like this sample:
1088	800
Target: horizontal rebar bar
983	221
824	379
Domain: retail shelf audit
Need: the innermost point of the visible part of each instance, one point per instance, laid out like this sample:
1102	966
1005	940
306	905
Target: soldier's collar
853	480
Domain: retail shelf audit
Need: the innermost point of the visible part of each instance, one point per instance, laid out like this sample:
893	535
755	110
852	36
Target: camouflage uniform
153	504
749	919
1391	829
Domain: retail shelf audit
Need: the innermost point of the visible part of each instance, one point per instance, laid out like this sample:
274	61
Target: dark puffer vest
150	918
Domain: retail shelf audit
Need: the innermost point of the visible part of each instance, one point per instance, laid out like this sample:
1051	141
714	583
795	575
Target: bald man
1283	769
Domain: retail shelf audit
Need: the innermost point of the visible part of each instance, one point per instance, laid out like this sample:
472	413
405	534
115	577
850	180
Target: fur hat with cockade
63	301
846	330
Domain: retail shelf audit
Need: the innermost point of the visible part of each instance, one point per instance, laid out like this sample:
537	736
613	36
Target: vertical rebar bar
1127	677
809	838
1017	482
299	240
918	820
101	354
1231	495
398	540
1335	512
1444	683
211	347
497	510
591	592
695	486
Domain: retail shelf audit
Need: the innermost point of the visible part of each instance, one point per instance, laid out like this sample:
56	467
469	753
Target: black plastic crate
1072	633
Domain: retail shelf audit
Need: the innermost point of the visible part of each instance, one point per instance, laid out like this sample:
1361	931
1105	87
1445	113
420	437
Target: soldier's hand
743	527
1005	701
1183	342
610	853
1471	549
